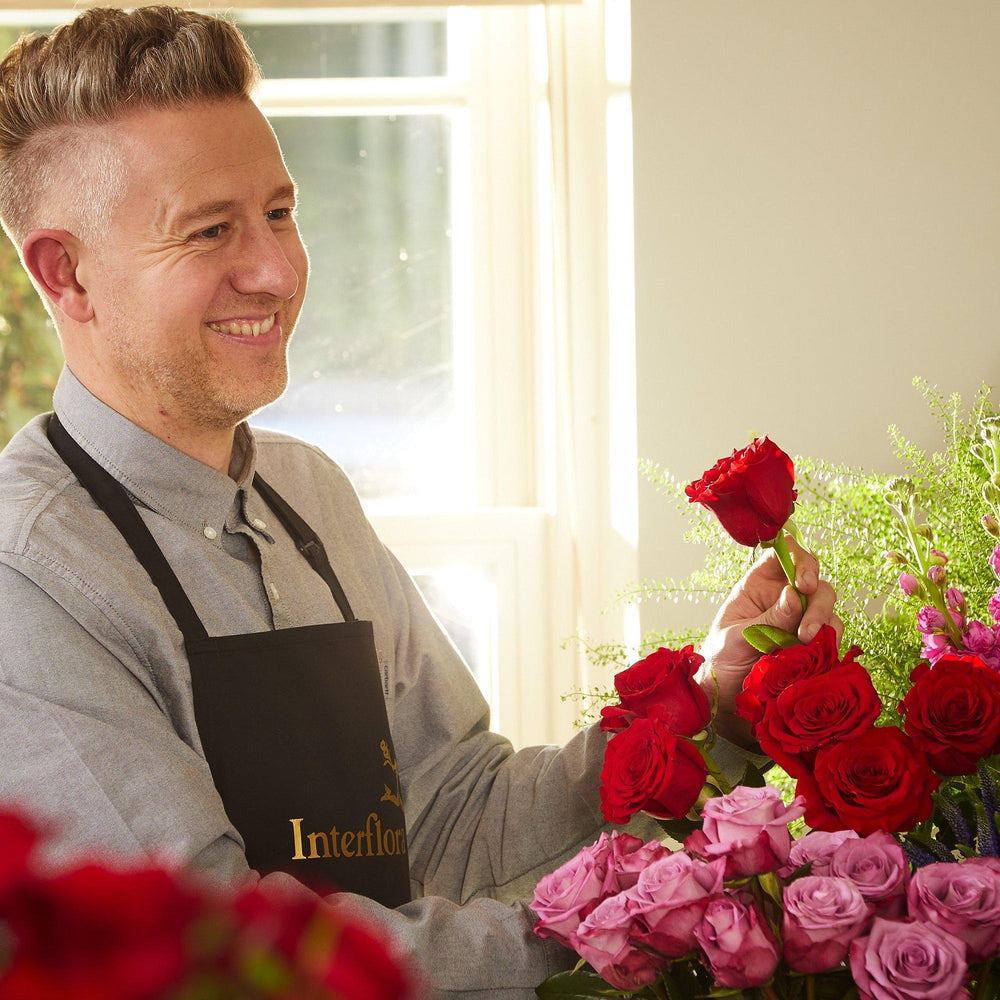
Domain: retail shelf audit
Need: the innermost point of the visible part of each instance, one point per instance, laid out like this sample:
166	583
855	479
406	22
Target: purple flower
878	869
817	847
823	915
670	899
908	584
739	947
908	961
749	828
984	642
995	560
937	574
565	897
603	939
962	899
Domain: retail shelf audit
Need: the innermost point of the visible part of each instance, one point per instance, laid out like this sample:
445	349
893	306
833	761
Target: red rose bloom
773	673
838	705
751	492
953	713
664	679
647	768
879	781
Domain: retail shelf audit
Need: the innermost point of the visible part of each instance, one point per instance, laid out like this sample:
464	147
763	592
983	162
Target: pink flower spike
994	606
909	584
995	560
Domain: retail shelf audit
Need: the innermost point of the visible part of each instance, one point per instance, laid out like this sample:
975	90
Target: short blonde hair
100	66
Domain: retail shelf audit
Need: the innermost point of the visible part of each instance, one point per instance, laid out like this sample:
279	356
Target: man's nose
263	267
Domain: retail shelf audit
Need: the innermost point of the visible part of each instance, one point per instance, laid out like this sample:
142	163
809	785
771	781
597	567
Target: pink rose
908	961
572	891
816	847
984	642
877	867
628	857
749	828
603	939
739	947
962	899
669	901
823	915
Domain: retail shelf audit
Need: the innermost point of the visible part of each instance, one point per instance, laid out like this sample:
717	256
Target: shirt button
210	532
258	524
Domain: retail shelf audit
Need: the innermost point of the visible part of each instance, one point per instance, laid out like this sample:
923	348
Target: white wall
817	221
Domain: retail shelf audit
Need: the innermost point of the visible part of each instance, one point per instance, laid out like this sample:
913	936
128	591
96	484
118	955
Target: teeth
244	328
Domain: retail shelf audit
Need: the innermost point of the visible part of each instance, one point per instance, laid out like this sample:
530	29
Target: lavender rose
908	961
823	915
669	901
962	899
816	847
573	890
877	867
749	828
603	939
739	947
628	858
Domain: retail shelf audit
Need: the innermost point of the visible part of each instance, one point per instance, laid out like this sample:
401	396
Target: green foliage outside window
30	358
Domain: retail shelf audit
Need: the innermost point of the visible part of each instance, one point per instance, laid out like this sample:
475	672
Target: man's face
199	278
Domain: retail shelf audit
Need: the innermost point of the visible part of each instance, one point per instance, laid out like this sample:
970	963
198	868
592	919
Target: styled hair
97	68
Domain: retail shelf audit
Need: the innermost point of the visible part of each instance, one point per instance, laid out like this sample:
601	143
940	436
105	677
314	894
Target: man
204	649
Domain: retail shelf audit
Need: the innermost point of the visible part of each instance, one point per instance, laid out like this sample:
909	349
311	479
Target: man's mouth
244	327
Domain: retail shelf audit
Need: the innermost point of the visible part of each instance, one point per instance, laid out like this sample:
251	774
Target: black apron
292	721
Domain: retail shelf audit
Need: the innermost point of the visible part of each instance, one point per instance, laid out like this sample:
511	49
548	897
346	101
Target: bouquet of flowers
94	931
895	894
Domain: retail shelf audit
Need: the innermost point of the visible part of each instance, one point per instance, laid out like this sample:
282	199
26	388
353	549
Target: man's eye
212	233
279	214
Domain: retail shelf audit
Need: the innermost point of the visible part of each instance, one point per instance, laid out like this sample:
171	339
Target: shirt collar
163	478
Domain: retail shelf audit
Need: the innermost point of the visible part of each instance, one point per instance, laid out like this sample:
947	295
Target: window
465	184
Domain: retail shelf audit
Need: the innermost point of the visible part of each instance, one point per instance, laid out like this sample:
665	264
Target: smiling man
204	649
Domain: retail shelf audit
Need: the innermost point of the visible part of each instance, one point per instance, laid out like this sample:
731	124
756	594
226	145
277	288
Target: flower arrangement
895	894
93	931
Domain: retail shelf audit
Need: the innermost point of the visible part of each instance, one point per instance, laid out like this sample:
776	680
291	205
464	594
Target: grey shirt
98	732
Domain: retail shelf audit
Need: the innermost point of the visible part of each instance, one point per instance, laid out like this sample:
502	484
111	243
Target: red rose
94	932
838	705
17	844
771	674
751	492
953	713
878	781
664	679
647	768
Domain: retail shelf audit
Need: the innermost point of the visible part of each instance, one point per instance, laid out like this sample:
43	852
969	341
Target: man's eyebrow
210	208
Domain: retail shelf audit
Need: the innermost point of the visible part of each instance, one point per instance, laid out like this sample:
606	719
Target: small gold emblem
389	795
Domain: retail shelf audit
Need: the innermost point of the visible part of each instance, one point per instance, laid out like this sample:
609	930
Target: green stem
982	979
719	777
769	992
810	988
780	546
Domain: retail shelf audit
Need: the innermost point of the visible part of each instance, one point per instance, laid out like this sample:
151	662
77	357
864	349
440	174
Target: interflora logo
369	841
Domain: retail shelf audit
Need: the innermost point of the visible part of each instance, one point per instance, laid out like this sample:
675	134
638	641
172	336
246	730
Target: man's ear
52	257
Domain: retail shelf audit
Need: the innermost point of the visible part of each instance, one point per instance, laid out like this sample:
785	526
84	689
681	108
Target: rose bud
603	939
908	961
749	828
563	898
740	948
878	869
823	915
669	901
751	492
909	584
963	900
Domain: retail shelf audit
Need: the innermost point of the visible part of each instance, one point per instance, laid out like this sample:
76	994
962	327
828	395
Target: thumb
786	611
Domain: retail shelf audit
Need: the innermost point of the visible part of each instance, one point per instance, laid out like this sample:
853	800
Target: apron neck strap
114	500
307	542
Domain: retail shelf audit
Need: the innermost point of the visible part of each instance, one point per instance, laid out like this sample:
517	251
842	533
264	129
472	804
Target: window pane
385	49
372	360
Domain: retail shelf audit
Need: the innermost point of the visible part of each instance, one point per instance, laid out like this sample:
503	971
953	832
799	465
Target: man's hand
763	596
